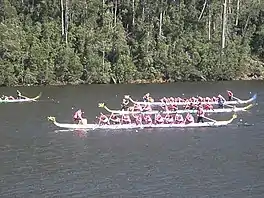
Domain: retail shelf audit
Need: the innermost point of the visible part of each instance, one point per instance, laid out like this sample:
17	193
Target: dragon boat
237	101
27	99
180	111
211	123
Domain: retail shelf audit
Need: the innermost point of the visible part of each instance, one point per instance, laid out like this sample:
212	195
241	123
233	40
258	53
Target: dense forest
128	41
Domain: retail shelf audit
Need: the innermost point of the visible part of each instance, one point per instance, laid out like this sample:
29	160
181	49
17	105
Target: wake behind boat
193	111
19	98
212	123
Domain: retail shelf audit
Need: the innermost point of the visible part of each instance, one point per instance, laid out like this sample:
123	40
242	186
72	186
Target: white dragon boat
180	111
233	102
27	99
211	123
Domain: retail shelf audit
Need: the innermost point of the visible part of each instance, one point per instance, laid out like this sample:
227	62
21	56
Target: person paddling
230	95
78	117
189	119
200	114
124	104
147	98
19	95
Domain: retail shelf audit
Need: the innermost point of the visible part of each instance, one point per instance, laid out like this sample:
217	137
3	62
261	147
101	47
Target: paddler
230	95
147	98
78	117
19	95
189	119
179	118
124	104
221	101
200	114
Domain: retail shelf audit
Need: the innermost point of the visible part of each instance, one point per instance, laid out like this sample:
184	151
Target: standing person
221	101
230	95
200	114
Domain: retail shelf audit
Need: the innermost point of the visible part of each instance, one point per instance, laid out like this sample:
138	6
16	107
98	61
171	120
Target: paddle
229	105
236	98
210	119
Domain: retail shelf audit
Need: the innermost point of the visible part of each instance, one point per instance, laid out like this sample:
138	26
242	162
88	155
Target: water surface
39	161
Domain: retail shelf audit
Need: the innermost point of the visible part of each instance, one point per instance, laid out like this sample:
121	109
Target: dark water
38	161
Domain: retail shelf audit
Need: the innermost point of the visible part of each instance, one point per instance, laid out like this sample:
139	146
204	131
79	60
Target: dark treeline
124	41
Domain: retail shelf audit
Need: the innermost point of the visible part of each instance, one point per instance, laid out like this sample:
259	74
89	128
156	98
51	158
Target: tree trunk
204	5
160	24
62	19
237	12
115	13
229	6
133	13
209	22
223	25
66	22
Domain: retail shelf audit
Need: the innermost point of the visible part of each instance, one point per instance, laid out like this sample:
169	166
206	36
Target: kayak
212	123
21	100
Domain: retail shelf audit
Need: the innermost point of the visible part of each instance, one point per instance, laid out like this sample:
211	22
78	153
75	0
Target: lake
38	160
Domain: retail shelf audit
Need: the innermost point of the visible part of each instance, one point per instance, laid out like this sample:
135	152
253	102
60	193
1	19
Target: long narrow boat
121	112
234	102
21	100
135	126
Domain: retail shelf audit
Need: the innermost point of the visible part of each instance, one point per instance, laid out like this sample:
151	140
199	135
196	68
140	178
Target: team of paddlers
160	118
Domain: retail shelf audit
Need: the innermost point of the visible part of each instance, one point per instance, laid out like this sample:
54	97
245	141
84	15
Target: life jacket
169	119
208	99
172	107
200	112
179	118
78	114
189	118
215	99
126	118
114	118
159	119
147	119
103	118
138	119
208	106
137	107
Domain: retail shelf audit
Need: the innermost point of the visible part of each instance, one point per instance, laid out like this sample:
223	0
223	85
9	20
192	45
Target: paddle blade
52	119
101	105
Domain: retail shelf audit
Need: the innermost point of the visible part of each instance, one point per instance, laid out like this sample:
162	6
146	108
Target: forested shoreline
126	41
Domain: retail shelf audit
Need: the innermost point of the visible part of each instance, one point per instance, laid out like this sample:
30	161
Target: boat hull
225	110
235	102
135	126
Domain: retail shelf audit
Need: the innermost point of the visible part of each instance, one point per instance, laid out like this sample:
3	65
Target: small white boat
21	100
234	102
194	111
135	126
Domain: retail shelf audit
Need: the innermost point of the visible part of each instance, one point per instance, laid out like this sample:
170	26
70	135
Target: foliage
115	41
